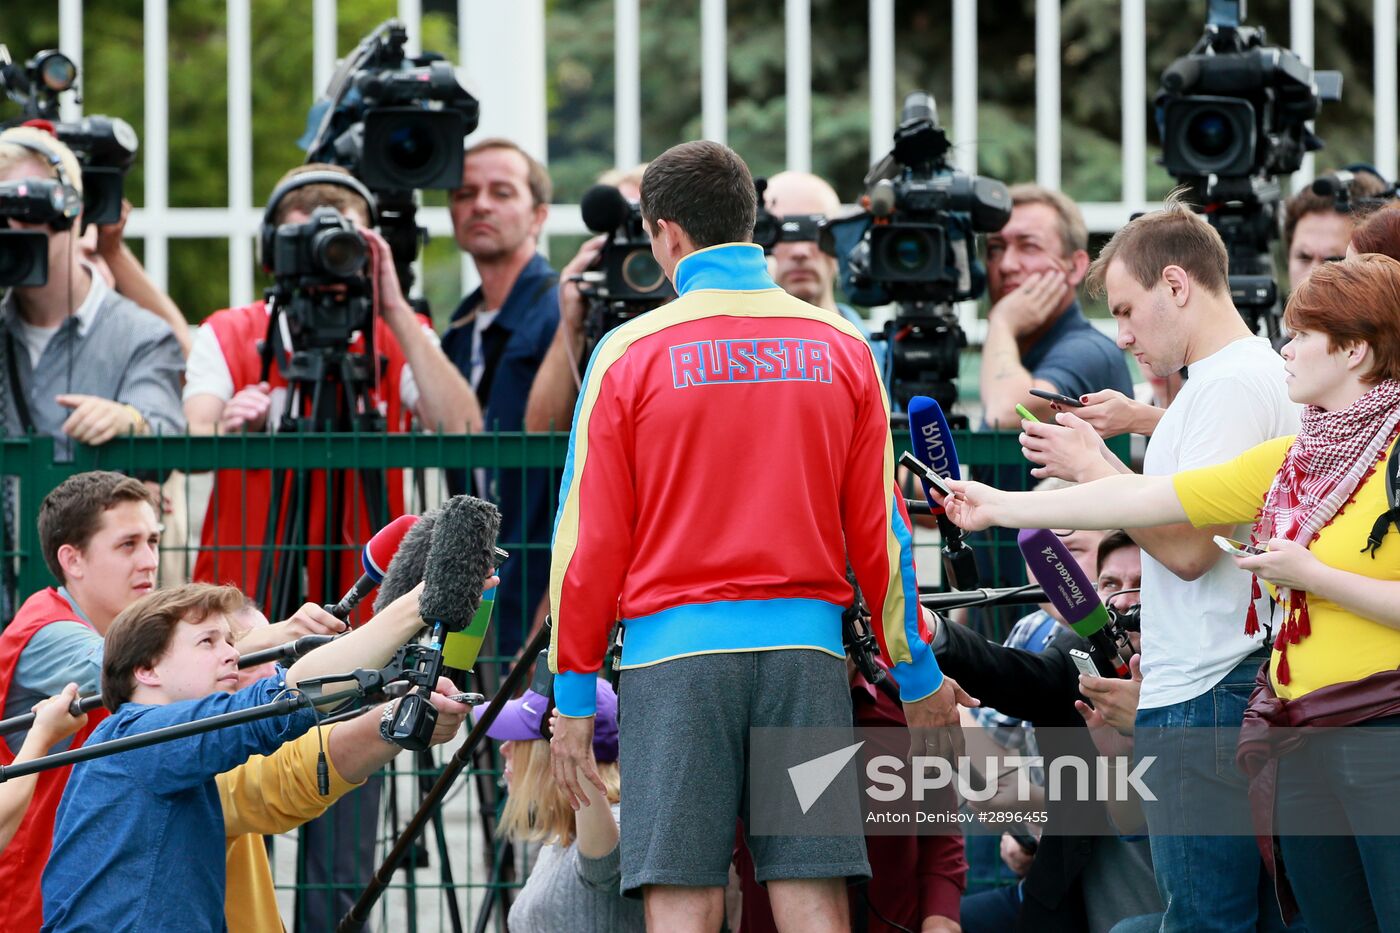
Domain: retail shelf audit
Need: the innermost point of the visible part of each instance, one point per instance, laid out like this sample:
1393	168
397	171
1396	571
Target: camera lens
56	70
641	273
908	251
1210	133
409	148
339	252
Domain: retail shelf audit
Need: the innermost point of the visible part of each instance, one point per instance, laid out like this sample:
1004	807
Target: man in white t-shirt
1167	282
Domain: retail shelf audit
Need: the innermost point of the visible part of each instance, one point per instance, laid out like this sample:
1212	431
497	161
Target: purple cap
521	718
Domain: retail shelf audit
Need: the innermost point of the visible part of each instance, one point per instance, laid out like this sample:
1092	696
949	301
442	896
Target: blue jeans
1207	883
993	911
1342	882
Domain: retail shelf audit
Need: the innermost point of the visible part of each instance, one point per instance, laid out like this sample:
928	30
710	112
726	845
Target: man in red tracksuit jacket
729	451
98	533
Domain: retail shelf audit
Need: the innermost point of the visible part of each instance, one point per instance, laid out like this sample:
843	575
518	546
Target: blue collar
735	267
529	285
77	610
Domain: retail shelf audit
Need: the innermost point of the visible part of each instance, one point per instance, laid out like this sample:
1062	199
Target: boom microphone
932	443
459	557
378	553
406	569
604	209
1071	593
469	540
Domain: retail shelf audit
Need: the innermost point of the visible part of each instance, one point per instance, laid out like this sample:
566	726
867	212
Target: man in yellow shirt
277	793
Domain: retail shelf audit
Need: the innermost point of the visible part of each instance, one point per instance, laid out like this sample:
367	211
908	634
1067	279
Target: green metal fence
458	860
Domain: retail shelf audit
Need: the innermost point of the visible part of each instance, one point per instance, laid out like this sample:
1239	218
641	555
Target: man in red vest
226	393
98	533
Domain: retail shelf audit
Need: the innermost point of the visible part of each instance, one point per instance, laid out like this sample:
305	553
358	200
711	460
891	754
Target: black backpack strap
1392	498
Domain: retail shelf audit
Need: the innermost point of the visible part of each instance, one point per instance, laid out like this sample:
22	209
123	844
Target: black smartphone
1057	397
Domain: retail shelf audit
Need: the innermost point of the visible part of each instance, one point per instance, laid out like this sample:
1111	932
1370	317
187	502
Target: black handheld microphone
285	652
459	557
932	444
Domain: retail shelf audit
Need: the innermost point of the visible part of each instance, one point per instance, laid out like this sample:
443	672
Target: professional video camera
105	146
397	122
914	245
626	281
1342	187
1233	116
24	254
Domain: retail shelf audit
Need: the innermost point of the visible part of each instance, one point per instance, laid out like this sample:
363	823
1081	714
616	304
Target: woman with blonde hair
575	885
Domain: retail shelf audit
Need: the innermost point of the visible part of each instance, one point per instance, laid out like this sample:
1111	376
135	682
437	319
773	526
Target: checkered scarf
1333	453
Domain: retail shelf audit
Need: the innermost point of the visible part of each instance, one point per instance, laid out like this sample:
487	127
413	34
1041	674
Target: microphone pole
998	596
170	733
285	652
359	914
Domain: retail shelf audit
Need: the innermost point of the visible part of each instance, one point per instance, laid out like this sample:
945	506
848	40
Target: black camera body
915	245
24	254
327	246
321	288
105	146
1233	116
397	122
627	280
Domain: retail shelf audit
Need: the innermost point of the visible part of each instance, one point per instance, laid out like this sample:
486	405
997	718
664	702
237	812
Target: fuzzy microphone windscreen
406	569
461	558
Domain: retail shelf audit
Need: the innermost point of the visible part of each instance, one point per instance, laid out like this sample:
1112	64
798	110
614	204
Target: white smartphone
1237	548
926	473
1082	661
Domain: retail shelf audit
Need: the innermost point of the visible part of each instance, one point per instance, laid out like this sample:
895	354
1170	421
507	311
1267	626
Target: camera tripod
317	519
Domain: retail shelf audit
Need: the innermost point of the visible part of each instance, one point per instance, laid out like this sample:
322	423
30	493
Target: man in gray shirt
78	362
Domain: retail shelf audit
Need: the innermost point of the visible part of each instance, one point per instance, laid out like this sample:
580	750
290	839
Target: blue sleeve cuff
576	693
919	678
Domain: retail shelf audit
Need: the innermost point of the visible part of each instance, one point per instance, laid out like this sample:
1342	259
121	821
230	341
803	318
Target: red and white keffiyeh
1333	453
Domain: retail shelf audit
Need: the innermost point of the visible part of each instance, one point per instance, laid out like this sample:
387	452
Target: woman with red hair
1323	510
1378	233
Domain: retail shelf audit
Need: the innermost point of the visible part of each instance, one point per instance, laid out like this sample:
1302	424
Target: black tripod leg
426	769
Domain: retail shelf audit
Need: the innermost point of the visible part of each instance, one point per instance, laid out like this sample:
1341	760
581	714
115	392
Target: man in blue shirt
137	826
1037	336
498	337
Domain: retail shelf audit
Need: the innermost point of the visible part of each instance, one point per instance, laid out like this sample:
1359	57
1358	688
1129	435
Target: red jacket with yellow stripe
730	451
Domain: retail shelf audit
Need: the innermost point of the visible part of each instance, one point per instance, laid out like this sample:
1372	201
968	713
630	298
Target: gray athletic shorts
684	754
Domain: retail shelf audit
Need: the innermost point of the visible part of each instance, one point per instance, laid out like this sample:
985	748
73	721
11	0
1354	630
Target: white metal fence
502	51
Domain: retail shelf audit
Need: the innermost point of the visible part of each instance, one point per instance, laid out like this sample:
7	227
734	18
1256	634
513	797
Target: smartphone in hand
1236	548
1066	400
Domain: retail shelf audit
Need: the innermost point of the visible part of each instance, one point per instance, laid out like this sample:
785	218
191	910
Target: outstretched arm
1122	501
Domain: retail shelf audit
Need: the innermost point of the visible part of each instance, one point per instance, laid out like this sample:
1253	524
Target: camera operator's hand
247	410
1068	449
1112	413
1031	304
97	420
934	726
109	236
571	756
571	304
